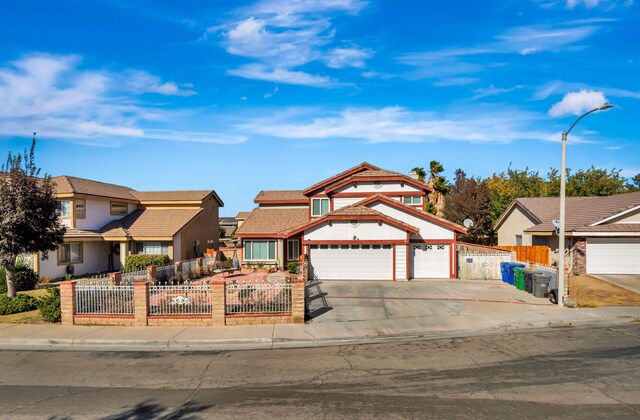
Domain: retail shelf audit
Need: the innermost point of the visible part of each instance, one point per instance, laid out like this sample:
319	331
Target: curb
266	343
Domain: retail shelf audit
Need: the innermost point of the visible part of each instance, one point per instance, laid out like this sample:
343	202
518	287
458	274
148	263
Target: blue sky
278	94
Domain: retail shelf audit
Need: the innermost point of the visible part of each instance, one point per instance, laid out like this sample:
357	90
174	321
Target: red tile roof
272	221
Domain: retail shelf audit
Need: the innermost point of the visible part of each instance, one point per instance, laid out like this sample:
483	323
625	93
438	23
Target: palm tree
422	174
440	189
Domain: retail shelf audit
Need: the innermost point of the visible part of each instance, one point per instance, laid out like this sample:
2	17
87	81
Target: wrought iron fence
95	280
102	299
131	277
180	300
189	268
165	274
257	298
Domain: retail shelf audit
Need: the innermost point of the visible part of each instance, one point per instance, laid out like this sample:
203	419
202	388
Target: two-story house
365	223
107	222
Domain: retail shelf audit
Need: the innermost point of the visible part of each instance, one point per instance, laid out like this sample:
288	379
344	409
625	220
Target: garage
429	261
613	256
351	262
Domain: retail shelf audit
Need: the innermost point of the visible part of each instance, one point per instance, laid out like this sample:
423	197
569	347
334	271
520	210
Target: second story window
319	206
64	208
119	209
81	210
412	199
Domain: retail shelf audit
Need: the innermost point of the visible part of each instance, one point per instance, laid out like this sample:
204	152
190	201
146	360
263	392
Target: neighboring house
365	223
229	224
107	222
603	233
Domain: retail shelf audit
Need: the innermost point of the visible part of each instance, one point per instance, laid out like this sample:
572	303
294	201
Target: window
70	253
293	249
152	248
119	209
319	206
518	240
81	210
412	199
64	208
259	250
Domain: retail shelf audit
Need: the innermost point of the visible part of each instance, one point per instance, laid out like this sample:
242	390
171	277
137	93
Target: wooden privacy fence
537	254
481	265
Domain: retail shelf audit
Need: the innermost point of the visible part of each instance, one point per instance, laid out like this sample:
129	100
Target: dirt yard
589	292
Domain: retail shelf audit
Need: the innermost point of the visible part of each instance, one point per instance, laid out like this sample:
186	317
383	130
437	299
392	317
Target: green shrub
20	303
49	305
141	261
293	267
26	279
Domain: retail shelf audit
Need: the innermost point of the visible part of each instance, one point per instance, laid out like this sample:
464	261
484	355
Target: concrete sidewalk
312	334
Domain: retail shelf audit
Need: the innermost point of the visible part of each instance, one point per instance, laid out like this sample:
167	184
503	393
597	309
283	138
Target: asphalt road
562	373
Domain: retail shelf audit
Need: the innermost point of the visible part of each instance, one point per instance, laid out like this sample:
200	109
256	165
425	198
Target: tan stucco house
107	222
603	233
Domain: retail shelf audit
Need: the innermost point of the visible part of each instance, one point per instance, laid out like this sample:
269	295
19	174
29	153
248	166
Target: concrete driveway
348	301
626	281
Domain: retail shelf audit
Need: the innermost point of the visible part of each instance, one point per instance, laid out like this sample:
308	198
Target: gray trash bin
540	285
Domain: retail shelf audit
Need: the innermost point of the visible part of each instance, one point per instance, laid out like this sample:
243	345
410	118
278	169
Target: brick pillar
218	302
115	279
151	274
579	261
199	268
297	301
178	268
141	302
67	301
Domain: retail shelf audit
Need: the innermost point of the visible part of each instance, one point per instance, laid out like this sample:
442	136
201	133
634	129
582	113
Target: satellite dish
555	223
467	223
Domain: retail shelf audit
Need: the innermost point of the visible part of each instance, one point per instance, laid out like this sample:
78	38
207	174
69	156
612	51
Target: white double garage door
613	256
375	262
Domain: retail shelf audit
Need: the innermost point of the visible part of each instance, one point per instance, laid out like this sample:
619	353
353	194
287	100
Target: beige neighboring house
603	233
107	222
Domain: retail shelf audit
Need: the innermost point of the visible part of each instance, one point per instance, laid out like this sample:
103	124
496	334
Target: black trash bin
528	280
540	285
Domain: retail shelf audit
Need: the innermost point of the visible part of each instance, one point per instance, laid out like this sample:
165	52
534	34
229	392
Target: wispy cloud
557	87
52	95
576	103
398	124
461	63
280	36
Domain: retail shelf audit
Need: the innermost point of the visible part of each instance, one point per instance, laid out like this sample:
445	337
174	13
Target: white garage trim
351	262
613	256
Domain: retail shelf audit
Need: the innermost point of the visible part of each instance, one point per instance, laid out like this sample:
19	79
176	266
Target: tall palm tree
440	188
422	174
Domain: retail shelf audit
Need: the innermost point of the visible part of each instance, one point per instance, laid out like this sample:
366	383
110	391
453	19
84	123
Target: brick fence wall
218	315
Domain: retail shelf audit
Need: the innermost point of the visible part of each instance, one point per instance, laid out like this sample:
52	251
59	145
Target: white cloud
491	90
52	95
459	63
577	103
398	124
348	57
261	72
589	4
557	87
279	36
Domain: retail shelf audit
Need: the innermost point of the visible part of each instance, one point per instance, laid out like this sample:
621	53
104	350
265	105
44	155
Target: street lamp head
605	106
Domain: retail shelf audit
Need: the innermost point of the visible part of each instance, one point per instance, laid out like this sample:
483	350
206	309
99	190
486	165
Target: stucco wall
428	230
385	187
340	202
98	212
515	224
344	231
633	217
204	228
95	259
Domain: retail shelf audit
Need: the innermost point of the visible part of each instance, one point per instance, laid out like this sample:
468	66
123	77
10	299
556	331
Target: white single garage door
351	262
429	261
613	256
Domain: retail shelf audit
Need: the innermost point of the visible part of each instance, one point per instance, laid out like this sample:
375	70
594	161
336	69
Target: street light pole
563	186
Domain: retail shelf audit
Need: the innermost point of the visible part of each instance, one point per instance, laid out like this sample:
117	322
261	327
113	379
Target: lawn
589	292
29	317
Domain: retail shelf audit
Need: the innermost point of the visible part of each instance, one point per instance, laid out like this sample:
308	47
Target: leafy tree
440	189
595	182
470	198
221	232
28	213
635	183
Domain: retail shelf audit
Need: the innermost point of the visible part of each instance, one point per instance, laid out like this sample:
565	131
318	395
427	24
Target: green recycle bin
518	278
